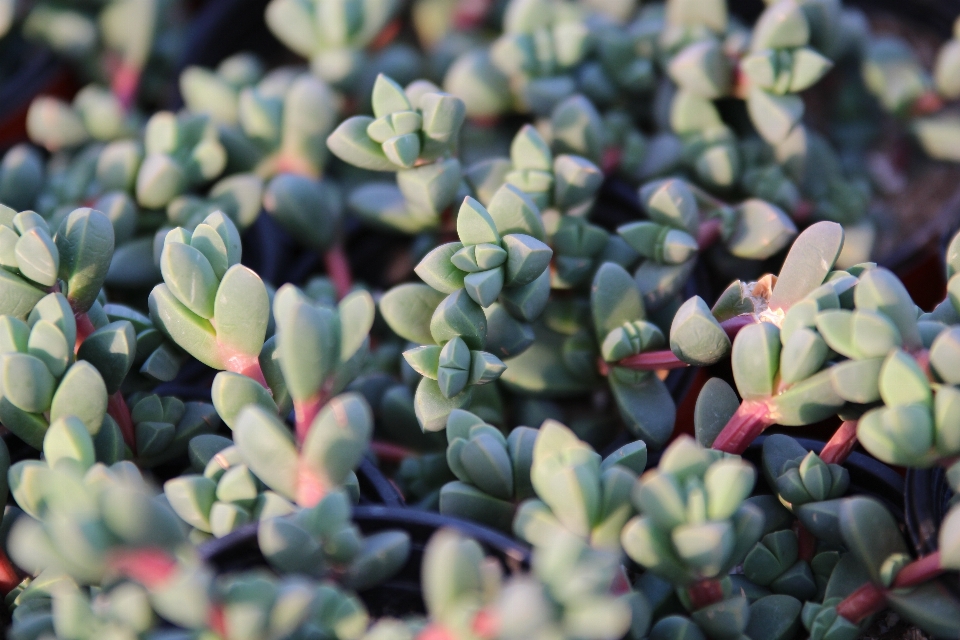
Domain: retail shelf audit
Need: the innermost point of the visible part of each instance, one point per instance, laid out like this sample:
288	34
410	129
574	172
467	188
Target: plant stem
709	233
610	160
338	270
9	577
665	358
704	593
246	365
118	410
749	421
919	571
305	411
806	542
310	487
870	598
391	452
125	84
652	361
470	14
841	443
863	602
387	35
84	327
149	567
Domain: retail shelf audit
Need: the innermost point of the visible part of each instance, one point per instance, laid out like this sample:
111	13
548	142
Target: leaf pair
40	381
333	447
214	308
414	126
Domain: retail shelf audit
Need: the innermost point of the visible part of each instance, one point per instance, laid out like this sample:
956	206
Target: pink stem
338	269
732	326
311	488
709	233
391	452
305	411
84	328
125	84
149	567
246	365
865	601
870	598
665	359
652	361
118	410
611	159
749	421
704	593
919	571
806	542
841	443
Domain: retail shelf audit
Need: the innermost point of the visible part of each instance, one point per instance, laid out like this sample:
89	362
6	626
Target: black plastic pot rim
389	516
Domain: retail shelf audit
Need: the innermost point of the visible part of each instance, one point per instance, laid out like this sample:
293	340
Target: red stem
806	542
84	328
928	103
246	365
841	443
387	35
120	412
149	567
9	576
732	326
391	452
709	233
665	359
338	269
749	421
652	361
125	84
704	593
610	160
865	601
870	598
919	571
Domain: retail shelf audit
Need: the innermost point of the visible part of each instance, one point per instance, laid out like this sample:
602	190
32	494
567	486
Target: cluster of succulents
428	334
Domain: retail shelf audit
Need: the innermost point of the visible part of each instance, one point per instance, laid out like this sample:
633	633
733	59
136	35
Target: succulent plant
413	133
570	593
40	378
211	306
305	471
321	540
565	183
578	491
83	515
883	575
283	120
94	114
22	174
492	471
541	43
694	524
677	231
223	494
181	152
163	426
332	34
216	92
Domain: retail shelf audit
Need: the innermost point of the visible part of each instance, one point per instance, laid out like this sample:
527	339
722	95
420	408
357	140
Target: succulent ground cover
459	257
